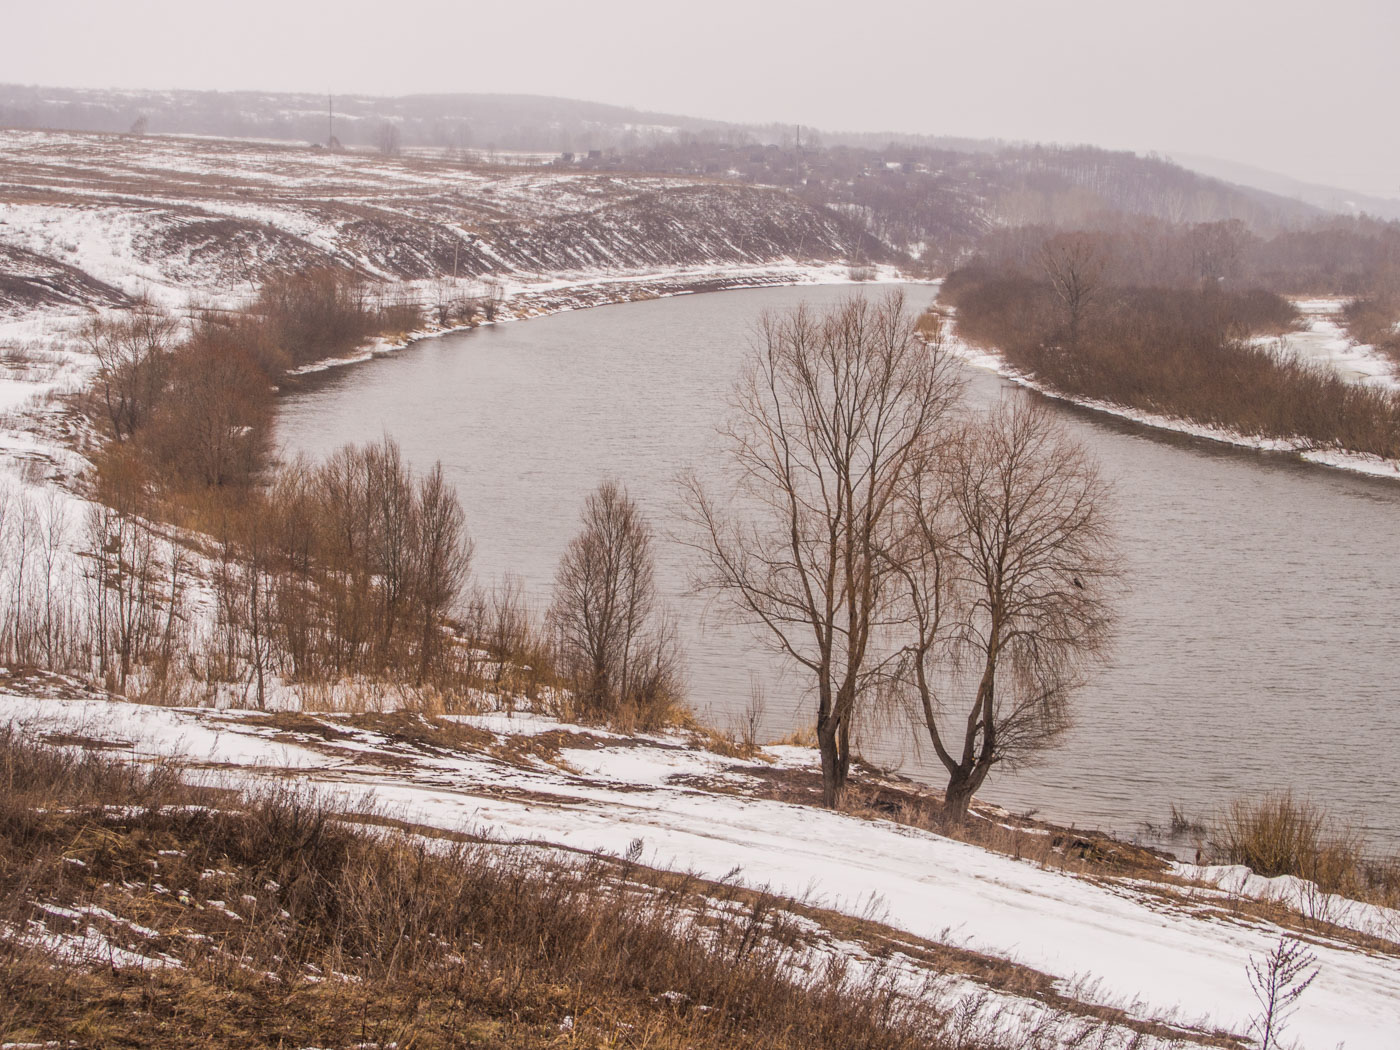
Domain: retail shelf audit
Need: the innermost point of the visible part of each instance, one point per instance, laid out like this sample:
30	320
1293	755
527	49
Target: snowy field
1168	950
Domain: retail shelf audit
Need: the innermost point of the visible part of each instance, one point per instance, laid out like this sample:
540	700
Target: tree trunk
957	796
834	762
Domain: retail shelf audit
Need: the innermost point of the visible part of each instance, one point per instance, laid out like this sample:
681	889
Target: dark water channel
1258	640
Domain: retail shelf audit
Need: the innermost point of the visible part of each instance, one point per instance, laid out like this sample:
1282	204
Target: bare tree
834	419
506	624
133	359
441	560
1004	570
244	585
1216	250
126	577
388	138
1075	266
615	642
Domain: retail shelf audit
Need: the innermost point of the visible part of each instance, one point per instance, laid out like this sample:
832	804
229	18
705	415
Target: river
1258	636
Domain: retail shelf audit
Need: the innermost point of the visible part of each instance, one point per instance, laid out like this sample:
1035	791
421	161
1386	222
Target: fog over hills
489	123
1328	198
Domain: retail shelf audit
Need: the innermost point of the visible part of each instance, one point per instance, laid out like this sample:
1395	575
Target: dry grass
1279	834
803	736
269	922
187	916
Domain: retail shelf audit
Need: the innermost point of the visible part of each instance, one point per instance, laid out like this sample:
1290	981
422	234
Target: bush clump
1279	834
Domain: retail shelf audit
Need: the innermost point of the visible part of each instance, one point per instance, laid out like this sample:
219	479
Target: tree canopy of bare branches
1004	570
615	642
836	417
133	359
1074	264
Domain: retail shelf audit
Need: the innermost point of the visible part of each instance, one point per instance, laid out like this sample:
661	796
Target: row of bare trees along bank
1167	321
207	572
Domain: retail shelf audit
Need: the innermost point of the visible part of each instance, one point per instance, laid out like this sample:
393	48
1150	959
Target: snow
88	948
1119	943
1323	340
1357	462
1116	942
1299	895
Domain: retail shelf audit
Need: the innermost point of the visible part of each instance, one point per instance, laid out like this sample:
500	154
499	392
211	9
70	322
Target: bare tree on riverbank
616	644
1074	265
836	417
892	547
1003	569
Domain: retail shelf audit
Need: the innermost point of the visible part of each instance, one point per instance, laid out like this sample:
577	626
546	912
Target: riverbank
521	299
991	361
1158	949
645	800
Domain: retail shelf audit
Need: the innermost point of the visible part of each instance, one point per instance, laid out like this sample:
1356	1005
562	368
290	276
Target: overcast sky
1303	87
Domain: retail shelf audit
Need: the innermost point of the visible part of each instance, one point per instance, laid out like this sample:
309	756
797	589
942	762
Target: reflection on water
1256	641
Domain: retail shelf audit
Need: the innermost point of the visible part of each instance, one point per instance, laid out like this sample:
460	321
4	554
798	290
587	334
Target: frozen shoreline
559	293
1356	462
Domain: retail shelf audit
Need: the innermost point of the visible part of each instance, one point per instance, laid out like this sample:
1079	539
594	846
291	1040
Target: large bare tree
834	418
1004	568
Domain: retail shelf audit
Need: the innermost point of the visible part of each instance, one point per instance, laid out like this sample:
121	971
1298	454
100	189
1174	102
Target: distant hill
504	122
1328	198
928	198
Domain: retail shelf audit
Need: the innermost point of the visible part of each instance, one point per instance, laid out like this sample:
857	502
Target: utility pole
330	122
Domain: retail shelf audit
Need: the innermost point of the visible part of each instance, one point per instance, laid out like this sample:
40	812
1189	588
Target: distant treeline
1355	258
1172	319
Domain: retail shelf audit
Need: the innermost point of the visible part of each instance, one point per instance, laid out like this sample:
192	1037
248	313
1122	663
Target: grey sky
1304	87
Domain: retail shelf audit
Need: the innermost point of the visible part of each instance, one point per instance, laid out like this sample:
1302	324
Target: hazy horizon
1297	89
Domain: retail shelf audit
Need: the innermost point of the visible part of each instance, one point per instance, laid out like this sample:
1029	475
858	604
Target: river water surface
1257	641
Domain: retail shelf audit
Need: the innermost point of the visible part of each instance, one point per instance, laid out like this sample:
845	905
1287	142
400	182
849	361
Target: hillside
93	218
1053	938
928	196
1328	198
460	121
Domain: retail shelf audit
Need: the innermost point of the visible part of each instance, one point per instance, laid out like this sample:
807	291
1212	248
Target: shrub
1281	835
327	312
1176	352
615	642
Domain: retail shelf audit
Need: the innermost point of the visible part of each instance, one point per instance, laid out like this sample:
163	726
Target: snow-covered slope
1158	950
175	217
